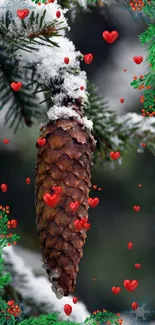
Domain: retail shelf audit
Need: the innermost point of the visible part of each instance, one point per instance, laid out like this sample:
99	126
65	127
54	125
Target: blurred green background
114	223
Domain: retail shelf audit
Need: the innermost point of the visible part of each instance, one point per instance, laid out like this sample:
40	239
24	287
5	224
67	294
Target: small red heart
115	155
88	58
86	226
28	181
116	290
130	245
51	200
4	188
138	59
143	145
78	225
6	141
94	187
130	285
110	37
93	202
137	266
57	190
134	305
74	206
41	142
23	13
136	208
75	300
139	185
16	85
122	100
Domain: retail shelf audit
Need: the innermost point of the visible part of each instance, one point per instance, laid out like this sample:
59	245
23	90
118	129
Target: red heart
138	59
57	190
41	142
93	202
130	245
78	225
116	290
6	141
75	300
110	37
23	13
139	185
88	58
115	155
143	145
4	188
74	206
136	208
94	187
134	305
137	266
51	200
130	285
16	85
122	100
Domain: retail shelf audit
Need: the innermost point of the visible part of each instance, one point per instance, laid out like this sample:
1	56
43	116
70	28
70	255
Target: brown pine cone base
65	160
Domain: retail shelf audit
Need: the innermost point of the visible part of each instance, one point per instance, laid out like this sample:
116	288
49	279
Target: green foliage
15	38
22	106
148	37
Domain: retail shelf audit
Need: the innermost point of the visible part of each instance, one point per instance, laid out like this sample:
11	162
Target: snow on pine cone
64	160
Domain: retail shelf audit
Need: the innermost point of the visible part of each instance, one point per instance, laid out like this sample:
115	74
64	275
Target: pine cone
64	161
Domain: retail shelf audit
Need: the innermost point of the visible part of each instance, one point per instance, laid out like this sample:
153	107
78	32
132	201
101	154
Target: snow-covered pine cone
65	160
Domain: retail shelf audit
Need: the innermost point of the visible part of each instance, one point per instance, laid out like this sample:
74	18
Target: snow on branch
37	291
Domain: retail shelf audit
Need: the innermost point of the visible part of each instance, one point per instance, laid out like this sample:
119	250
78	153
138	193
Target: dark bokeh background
113	221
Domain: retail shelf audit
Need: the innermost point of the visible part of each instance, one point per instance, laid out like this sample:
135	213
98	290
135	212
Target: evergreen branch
117	133
23	37
147	82
36	291
22	106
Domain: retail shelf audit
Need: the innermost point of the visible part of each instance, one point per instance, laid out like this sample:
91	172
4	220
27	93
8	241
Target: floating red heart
23	13
121	100
110	37
28	181
131	285
94	187
66	60
93	202
57	190
78	225
116	290
136	208
75	300
4	188
41	142
139	185
6	141
58	14
130	245
16	85
13	223
74	206
115	155
138	59
51	200
67	309
134	305
143	145
137	266
88	58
